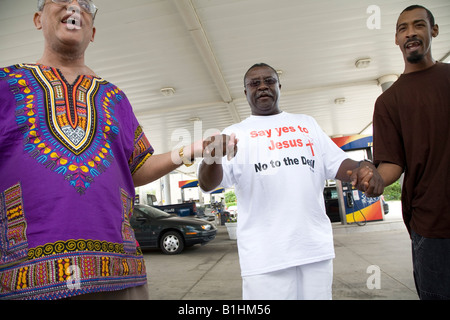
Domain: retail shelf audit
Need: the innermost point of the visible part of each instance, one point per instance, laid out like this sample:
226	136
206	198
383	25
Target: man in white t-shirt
285	238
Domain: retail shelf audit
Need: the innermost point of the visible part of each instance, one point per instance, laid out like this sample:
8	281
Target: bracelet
186	162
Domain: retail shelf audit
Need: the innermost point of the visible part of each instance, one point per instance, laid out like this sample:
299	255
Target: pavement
373	262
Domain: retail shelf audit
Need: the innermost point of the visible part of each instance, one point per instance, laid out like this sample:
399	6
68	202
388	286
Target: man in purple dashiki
71	154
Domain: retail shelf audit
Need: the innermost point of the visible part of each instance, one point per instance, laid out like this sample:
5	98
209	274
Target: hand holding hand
366	178
218	146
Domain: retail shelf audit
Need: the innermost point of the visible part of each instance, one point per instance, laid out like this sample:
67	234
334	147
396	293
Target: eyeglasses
86	5
268	82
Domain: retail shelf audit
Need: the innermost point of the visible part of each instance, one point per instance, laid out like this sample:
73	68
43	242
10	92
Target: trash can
224	216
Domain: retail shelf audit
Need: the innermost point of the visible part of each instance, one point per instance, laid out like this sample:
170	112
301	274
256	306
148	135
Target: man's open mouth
72	21
413	45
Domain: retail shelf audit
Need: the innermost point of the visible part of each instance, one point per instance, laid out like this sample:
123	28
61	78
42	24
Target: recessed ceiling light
363	63
339	101
168	91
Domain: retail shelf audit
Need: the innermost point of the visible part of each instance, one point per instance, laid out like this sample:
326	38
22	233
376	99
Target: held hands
211	149
218	146
366	178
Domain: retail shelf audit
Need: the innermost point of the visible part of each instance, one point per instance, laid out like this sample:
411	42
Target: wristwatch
187	162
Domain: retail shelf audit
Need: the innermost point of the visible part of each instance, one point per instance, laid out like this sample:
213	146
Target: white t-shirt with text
279	174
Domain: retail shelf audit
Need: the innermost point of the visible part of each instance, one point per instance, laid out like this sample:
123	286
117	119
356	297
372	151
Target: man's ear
435	31
93	34
37	20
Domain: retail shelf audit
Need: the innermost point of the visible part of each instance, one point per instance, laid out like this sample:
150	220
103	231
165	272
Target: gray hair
40	5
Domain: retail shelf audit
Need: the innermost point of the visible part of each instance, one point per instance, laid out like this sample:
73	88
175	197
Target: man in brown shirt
412	135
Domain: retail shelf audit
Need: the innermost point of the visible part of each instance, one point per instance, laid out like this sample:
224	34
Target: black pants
431	266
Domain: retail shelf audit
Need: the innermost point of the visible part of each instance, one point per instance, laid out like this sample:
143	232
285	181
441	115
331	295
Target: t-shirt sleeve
332	155
228	179
387	140
142	150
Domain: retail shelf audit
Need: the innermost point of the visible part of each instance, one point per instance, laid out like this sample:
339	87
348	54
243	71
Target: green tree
393	192
230	198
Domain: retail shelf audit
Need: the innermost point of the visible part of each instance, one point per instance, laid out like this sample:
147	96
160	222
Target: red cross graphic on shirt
310	144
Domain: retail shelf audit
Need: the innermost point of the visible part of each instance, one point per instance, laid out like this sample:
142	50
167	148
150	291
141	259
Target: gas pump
354	205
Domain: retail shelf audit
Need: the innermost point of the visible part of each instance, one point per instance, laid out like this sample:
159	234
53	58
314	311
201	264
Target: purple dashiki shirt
67	155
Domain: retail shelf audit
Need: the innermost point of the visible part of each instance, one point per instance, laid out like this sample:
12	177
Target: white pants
306	282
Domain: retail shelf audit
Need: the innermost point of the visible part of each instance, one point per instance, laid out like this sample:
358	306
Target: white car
233	211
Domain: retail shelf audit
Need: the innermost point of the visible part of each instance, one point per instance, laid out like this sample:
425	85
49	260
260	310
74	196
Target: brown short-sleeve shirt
412	129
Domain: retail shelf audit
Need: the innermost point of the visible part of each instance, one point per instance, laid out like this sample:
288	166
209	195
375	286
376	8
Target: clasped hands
366	178
216	147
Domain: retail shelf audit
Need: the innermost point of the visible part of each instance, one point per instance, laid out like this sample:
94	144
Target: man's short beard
415	57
